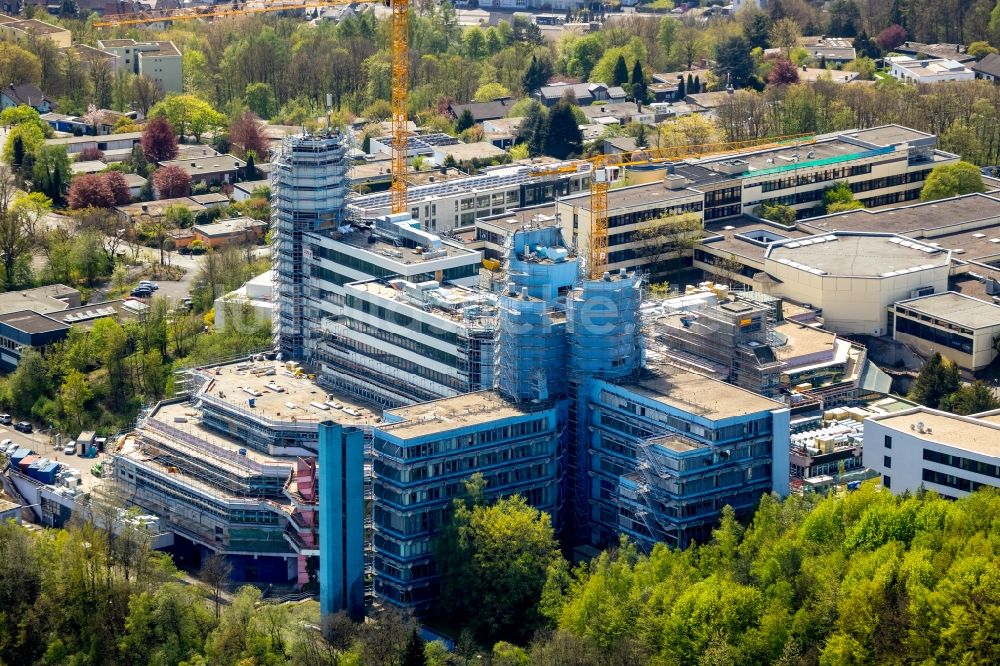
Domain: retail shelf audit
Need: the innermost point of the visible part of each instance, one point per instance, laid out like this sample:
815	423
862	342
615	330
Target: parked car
23	426
142	292
147	284
6	419
70	448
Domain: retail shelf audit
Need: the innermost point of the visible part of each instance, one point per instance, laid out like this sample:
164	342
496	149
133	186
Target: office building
441	207
399	341
962	328
424	453
671	448
923	448
230	467
309	186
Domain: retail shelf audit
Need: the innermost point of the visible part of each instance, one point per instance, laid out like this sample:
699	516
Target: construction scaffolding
309	184
712	330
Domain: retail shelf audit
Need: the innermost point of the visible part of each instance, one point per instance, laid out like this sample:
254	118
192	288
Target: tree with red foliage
90	154
158	141
247	133
90	190
118	185
891	37
783	73
171	182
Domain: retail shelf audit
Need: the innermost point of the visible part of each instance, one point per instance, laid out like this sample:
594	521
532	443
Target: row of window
967	464
825	176
949	339
949	480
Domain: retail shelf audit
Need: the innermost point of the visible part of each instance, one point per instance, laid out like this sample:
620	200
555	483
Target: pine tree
638	79
697	84
537	75
938	379
563	137
681	88
465	121
532	130
691	84
620	74
18	150
413	654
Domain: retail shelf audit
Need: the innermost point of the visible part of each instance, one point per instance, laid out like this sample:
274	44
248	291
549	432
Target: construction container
46	473
26	462
18	455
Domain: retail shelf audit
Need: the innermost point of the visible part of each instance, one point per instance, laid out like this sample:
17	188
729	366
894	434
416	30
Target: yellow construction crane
399	48
601	172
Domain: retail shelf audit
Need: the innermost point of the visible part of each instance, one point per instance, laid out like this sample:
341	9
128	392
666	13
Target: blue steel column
341	520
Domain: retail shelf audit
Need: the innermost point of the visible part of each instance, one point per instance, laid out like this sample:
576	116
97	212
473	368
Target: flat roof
36	26
230	226
956	308
31	322
469	151
802	340
968	433
806	152
278	390
39	299
445	301
446	414
908	219
635	196
858	255
888	135
401	254
158	207
211	164
699	394
68	140
735	236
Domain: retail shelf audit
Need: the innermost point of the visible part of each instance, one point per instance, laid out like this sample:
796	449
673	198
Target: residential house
212	170
584	94
239	230
113	142
988	68
27	94
482	111
934	70
957	52
88	56
467	153
834	50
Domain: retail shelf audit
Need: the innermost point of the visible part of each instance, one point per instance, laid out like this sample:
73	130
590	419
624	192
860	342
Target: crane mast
400	102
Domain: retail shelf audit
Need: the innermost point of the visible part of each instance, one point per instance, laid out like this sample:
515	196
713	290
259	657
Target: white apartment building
950	454
160	61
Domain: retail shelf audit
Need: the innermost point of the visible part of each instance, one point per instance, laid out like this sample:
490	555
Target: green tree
971	399
29	135
562	135
938	379
495	560
733	64
465	121
839	197
949	180
413	653
532	129
74	394
259	98
52	172
620	74
536	75
188	114
490	91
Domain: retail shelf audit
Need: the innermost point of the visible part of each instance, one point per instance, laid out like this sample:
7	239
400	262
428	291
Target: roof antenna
329	113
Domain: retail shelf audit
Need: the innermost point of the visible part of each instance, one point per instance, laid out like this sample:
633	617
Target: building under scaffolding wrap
309	183
722	333
231	468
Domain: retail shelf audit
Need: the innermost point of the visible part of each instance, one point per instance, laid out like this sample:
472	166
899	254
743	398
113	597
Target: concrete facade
961	328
